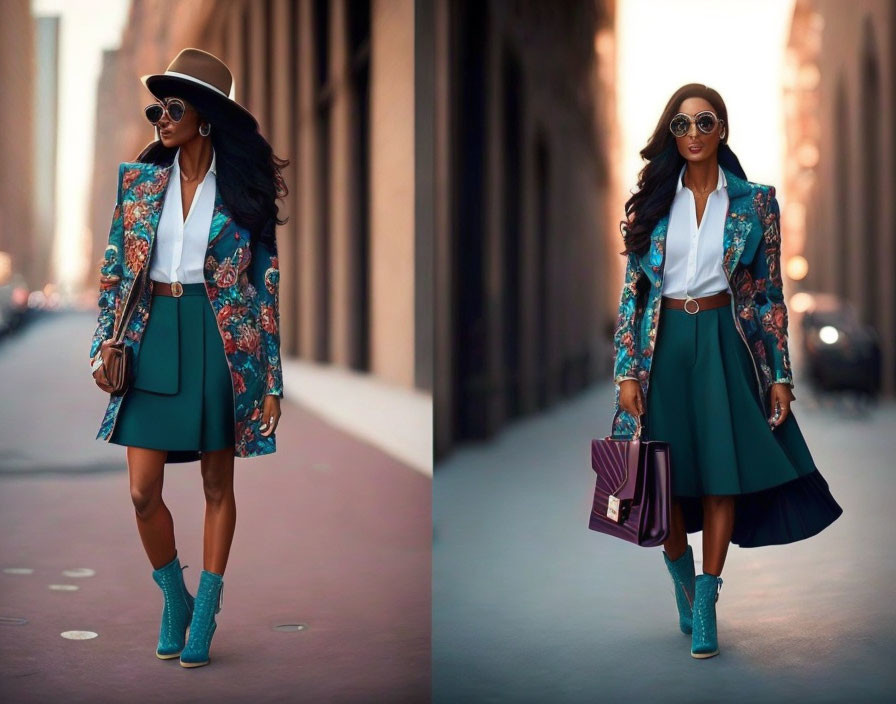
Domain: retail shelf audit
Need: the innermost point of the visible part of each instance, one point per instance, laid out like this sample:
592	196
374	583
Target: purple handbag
632	492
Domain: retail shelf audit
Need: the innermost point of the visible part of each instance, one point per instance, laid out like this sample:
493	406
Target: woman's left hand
781	395
270	416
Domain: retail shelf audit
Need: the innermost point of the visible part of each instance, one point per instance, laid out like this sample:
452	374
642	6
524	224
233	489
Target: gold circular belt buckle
688	300
177	289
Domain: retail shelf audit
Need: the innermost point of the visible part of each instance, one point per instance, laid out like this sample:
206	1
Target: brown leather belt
694	305
160	288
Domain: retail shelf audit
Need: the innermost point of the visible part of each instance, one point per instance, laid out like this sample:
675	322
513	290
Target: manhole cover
292	627
64	587
12	621
79	572
78	635
18	570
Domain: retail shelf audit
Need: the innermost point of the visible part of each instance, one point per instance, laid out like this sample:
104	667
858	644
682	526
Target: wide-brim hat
202	79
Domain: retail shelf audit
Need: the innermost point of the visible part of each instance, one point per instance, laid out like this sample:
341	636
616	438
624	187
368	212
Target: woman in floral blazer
242	276
708	370
213	300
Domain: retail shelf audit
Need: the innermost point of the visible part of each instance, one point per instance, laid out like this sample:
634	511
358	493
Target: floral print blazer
752	264
242	285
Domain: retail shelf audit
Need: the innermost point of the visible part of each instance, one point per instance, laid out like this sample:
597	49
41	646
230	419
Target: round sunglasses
706	121
175	107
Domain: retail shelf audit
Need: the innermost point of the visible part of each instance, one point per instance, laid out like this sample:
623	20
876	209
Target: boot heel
209	599
177	610
704	640
683	577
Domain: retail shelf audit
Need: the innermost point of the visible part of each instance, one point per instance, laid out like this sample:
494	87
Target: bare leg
677	542
220	508
146	470
718	524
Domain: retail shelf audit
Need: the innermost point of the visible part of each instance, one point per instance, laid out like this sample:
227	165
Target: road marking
79	635
292	627
12	621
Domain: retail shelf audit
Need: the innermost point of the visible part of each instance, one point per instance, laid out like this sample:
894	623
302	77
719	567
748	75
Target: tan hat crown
203	68
201	76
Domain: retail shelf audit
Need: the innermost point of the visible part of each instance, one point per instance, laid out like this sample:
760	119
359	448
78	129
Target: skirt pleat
181	398
703	400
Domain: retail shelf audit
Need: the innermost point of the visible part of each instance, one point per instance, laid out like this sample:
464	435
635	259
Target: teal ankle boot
704	641
178	609
209	598
682	571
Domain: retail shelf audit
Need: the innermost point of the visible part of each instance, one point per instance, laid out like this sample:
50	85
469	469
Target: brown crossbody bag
116	372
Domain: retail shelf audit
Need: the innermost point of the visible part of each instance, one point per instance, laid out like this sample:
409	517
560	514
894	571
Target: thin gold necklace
703	193
185	178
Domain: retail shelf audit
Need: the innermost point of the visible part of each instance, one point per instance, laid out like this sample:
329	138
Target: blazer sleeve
110	273
625	340
265	276
769	293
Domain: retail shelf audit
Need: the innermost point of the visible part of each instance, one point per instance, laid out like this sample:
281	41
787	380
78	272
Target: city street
332	534
531	606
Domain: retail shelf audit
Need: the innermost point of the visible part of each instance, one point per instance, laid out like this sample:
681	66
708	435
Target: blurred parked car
842	354
13	303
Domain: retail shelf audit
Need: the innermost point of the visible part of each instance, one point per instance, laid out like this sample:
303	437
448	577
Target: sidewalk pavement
331	533
529	605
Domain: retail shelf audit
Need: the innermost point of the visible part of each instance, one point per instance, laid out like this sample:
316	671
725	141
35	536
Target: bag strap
128	309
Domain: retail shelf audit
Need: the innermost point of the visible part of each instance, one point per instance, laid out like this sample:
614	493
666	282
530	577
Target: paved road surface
331	533
531	606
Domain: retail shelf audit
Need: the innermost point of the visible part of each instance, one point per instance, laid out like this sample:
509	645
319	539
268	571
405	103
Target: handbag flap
616	465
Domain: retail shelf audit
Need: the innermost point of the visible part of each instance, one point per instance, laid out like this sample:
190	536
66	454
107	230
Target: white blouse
694	253
179	253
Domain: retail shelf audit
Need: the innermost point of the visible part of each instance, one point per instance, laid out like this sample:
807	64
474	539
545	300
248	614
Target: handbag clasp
613	508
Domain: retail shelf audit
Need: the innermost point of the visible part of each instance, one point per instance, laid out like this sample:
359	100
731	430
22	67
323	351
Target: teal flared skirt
703	399
181	398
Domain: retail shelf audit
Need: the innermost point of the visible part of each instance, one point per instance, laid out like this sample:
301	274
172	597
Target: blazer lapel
738	223
653	260
220	220
150	194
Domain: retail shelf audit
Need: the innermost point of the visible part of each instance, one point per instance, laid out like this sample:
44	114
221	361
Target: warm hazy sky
86	28
735	46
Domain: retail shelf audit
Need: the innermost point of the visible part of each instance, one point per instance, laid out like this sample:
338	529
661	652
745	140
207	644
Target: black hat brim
163	86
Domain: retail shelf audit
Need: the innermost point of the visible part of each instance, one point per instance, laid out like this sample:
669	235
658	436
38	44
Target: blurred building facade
840	167
46	127
520	96
332	85
18	71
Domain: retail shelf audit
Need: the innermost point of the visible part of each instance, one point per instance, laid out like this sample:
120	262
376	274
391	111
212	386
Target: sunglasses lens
176	110
679	126
153	113
706	122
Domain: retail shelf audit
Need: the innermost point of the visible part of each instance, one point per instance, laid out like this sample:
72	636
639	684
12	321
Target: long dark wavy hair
656	182
249	175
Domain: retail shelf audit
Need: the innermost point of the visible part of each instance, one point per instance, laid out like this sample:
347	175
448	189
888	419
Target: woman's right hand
631	397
